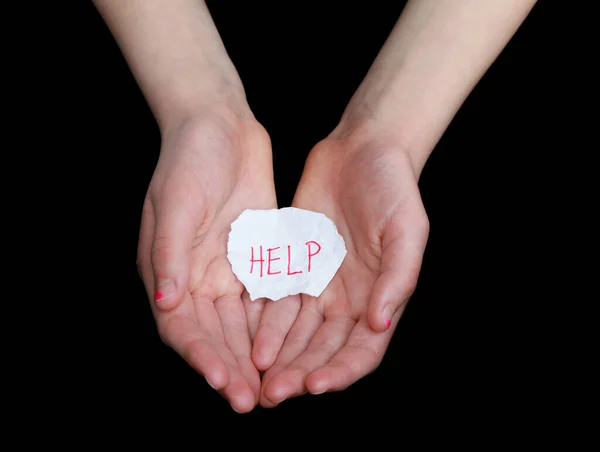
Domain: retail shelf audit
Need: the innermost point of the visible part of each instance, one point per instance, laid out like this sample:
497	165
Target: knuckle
163	338
373	367
143	267
423	224
353	369
140	268
161	248
372	357
374	364
359	369
164	331
412	279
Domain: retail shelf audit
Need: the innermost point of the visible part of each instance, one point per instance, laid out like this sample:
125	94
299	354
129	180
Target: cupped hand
210	169
367	185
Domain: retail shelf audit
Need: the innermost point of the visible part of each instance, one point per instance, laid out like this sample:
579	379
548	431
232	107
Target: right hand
366	183
210	170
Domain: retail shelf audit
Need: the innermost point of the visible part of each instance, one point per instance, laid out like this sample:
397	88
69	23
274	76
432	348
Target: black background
300	64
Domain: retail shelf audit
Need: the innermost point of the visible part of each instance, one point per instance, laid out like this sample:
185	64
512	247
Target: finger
197	336
327	341
238	392
361	355
177	216
307	324
144	251
237	339
275	322
196	345
253	313
401	260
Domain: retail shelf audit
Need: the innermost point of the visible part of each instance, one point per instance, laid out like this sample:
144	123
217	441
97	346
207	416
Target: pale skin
215	162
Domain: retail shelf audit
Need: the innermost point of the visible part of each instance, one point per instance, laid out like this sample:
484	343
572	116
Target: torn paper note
281	252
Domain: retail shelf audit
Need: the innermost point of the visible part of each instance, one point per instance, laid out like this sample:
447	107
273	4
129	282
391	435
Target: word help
280	252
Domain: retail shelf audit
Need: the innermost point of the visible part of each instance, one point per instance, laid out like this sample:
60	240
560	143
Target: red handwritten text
312	249
271	260
310	255
252	261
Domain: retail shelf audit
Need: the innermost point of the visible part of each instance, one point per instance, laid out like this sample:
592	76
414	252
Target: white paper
301	252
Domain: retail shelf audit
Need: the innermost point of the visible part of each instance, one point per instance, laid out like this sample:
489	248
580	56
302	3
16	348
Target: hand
368	187
210	169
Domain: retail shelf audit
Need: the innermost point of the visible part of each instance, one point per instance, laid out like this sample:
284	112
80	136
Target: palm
370	193
206	181
211	274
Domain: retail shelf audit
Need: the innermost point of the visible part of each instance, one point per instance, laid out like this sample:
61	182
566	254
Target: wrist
220	118
429	64
176	55
190	97
371	120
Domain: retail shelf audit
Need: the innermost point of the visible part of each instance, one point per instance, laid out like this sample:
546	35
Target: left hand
212	167
368	187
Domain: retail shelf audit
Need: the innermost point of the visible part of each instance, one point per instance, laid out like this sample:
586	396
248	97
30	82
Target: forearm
175	53
435	55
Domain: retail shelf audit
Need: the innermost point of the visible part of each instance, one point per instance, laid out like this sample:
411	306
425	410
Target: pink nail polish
388	323
164	290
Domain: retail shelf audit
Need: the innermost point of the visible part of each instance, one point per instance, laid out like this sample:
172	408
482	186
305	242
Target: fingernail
209	383
387	315
165	290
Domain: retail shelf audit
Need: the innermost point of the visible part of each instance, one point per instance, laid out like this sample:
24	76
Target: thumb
171	251
400	267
